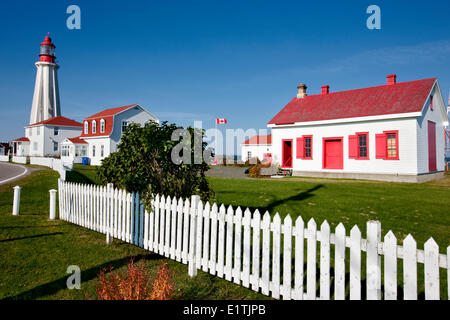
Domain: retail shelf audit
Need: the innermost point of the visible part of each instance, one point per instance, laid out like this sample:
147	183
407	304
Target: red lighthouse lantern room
47	53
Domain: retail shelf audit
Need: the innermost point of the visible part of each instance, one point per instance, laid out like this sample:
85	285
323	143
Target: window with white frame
30	132
86	127
94	126
249	155
93	150
55	146
38	130
55	131
102	151
102	125
124	125
64	151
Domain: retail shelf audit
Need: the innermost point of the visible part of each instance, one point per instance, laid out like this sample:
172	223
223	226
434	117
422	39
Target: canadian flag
221	120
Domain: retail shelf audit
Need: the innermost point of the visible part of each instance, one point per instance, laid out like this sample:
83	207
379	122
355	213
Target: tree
147	161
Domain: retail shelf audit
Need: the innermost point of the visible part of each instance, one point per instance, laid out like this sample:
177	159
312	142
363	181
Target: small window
249	155
30	132
86	127
392	146
431	103
94	126
124	125
102	125
55	131
55	146
83	151
38	130
102	151
64	151
307	146
93	151
363	146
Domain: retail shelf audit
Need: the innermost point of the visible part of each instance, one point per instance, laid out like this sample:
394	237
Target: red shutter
380	140
352	147
300	150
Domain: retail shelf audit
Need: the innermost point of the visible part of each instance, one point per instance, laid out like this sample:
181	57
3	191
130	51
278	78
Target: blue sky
198	60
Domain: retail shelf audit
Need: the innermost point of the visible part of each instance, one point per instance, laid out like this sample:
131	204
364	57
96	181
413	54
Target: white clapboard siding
257	252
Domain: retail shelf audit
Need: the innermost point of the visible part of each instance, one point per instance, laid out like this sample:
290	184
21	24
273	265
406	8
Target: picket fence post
192	268
52	204
16	201
109	200
373	274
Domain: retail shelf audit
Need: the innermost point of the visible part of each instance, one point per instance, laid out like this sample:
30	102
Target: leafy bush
144	163
135	284
255	170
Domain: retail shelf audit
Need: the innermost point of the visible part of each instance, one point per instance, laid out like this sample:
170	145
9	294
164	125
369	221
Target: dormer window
431	104
94	126
124	125
86	127
102	125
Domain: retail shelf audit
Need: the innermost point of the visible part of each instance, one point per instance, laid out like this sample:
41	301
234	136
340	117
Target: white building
390	132
102	132
47	127
257	147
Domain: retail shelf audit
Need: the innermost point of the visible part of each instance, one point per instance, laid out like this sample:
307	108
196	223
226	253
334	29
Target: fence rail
257	251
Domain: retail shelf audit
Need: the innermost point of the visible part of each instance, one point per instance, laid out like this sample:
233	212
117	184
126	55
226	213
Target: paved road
10	172
228	172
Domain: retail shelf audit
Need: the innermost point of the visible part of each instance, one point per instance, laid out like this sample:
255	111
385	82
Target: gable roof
23	139
263	140
110	112
77	140
58	121
402	97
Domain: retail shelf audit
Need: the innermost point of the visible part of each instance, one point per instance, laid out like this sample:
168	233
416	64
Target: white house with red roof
259	146
102	132
391	132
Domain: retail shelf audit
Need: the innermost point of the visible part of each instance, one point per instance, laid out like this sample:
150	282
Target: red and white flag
221	120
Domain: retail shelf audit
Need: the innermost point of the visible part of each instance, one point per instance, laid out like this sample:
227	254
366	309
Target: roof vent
391	79
325	89
301	90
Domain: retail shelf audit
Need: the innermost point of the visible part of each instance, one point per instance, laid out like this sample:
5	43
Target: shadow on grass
77	177
86	275
30	237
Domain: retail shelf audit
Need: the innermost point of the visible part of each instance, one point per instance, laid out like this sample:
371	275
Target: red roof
76	140
401	97
58	121
108	116
23	139
267	139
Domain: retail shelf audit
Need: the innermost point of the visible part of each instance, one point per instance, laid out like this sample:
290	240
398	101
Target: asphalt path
10	172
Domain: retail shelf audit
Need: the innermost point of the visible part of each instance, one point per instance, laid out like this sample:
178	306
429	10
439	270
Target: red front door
431	146
286	161
333	151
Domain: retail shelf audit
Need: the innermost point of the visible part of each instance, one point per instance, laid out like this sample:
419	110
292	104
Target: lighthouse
46	92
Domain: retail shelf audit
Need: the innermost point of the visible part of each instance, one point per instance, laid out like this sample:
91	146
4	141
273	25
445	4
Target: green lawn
35	252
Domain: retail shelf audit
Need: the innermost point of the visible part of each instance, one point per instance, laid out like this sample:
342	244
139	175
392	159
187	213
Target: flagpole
215	142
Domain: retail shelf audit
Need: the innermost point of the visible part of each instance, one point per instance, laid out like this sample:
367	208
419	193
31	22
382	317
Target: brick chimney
391	79
325	89
301	90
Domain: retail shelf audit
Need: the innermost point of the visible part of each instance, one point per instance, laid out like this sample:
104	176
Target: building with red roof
102	132
387	132
259	146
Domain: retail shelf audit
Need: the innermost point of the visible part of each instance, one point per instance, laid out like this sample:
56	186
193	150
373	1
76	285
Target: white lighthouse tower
46	92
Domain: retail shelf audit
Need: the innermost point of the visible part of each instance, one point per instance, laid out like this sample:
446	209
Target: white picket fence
53	163
19	159
256	251
4	158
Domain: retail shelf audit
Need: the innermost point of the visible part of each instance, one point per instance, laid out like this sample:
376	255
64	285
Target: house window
363	145
83	151
94	126
55	146
86	127
391	145
35	146
304	147
387	145
55	131
431	103
93	151
102	125
102	150
307	146
38	130
124	125
249	155
64	151
30	132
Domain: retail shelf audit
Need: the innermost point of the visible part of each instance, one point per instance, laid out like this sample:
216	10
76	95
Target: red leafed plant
135	284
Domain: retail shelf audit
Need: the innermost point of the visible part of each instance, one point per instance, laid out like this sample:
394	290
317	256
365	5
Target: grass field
35	252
